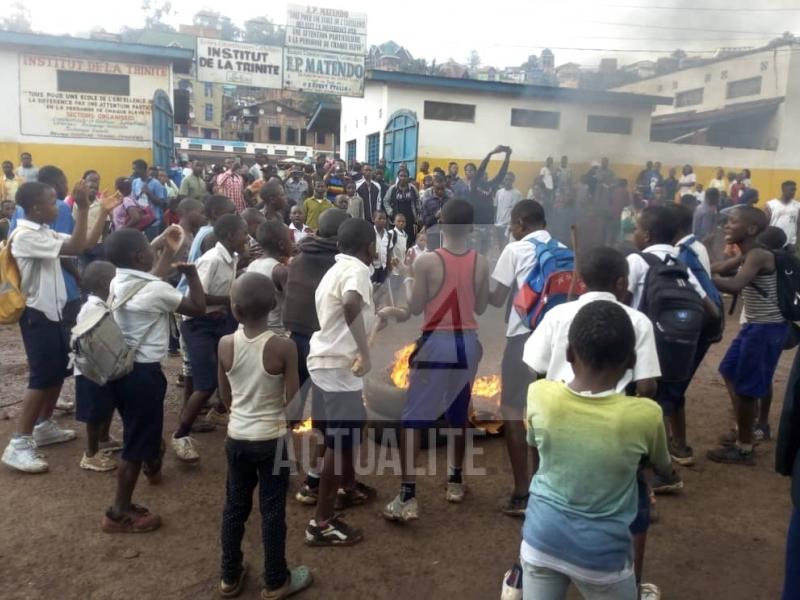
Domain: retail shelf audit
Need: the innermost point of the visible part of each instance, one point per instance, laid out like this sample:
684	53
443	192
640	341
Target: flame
486	387
303	427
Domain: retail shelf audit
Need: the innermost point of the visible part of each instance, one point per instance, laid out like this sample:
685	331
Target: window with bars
606	124
744	87
351	151
539	119
689	98
274	134
373	148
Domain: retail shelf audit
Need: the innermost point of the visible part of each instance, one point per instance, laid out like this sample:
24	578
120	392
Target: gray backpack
99	349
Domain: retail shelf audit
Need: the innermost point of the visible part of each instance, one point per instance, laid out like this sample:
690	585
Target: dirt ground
723	537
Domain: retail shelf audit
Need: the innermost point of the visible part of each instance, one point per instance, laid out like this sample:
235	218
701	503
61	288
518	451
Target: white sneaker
185	449
21	454
649	591
100	462
397	510
65	406
49	433
455	492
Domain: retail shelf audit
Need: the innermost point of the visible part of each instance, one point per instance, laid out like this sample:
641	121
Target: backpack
98	347
677	314
787	274
550	282
12	300
714	328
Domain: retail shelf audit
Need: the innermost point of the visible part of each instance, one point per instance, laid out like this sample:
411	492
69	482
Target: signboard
323	72
237	63
326	29
87	98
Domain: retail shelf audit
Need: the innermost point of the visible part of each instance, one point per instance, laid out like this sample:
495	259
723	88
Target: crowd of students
278	293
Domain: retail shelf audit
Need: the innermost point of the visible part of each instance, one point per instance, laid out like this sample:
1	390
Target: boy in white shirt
217	272
37	250
139	396
383	248
337	362
418	249
297	223
506	198
783	212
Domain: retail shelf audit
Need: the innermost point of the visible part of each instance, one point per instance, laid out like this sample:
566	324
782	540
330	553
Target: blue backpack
549	283
714	328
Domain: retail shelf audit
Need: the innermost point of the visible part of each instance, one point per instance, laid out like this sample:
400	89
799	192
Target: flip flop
299	579
228	591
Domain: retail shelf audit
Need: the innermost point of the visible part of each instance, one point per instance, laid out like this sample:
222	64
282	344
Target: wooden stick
573	232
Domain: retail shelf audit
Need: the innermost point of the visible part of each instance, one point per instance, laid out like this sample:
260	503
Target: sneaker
514	506
100	462
185	449
360	494
455	492
683	456
112	445
217	418
307	495
397	510
48	433
299	579
21	454
762	433
649	591
731	455
203	426
65	406
139	520
231	590
667	483
335	533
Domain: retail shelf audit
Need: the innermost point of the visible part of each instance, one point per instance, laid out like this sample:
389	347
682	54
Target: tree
473	60
262	30
211	19
154	13
679	55
18	19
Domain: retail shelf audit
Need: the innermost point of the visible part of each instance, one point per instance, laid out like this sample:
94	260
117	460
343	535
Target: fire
303	427
486	387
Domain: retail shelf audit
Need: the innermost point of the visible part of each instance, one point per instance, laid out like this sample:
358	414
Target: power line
697	8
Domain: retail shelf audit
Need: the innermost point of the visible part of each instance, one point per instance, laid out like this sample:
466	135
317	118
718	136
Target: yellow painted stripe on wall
766	181
110	161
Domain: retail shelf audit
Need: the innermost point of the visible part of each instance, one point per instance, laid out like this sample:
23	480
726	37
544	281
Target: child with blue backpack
516	264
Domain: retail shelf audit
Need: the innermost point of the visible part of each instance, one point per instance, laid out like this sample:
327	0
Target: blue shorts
751	360
442	370
642	521
343	415
47	349
93	403
139	398
202	336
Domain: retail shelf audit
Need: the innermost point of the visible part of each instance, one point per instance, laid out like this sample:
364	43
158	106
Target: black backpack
787	274
677	313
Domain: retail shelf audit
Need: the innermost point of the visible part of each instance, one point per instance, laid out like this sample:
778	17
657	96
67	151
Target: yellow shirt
314	208
8	190
420	177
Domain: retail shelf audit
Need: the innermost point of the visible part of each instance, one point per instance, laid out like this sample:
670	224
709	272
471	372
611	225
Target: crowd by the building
271	280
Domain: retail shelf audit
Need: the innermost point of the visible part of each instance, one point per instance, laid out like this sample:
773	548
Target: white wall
771	65
362	117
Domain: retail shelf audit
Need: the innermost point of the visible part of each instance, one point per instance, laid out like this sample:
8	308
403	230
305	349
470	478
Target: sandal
138	520
231	590
299	579
515	506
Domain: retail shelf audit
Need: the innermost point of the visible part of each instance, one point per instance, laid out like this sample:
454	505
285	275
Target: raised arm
76	244
193	305
501	174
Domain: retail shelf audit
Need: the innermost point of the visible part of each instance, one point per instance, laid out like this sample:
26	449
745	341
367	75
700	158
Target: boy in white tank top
783	212
257	378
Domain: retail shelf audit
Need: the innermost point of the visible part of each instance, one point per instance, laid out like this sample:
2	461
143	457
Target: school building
413	118
86	103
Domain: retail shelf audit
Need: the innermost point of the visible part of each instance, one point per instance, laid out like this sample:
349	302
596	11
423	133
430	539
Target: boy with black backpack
671	296
767	286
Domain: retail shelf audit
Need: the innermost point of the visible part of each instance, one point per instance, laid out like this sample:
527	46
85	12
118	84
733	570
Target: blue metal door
400	141
163	130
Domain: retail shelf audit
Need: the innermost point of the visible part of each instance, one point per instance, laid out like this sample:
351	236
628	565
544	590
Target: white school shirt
547	178
382	248
299	234
687	183
701	251
513	267
144	319
505	200
546	349
333	348
638	268
400	245
36	249
784	216
217	272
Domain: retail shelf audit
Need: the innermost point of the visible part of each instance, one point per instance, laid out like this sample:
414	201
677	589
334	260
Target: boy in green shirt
316	205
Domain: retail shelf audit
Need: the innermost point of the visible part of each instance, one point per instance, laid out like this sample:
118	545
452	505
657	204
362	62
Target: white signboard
323	73
236	63
87	98
326	29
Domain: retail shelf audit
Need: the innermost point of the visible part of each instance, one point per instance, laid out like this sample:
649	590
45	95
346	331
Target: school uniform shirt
28	173
584	495
717	184
333	348
299	234
414	253
400	245
547	178
36	249
784	216
505	200
217	272
383	244
687	183
638	268
144	319
546	350
515	263
699	249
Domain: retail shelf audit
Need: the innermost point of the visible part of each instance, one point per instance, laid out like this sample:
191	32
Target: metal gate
163	130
